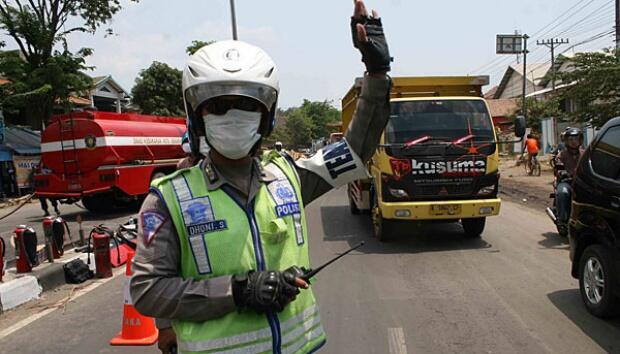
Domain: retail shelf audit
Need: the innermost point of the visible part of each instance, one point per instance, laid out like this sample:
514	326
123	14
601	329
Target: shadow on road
603	332
554	240
410	237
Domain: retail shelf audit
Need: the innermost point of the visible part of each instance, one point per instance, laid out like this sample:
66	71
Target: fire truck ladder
66	128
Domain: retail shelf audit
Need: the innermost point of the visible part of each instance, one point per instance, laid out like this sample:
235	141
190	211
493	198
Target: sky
311	41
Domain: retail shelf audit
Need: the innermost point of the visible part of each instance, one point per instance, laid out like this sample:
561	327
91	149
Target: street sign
509	44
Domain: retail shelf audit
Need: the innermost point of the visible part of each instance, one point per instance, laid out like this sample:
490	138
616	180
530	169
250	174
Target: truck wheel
99	203
382	228
597	280
473	227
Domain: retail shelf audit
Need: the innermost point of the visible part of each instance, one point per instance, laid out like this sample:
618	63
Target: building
511	85
20	152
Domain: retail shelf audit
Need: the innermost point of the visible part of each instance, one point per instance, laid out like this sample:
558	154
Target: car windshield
446	120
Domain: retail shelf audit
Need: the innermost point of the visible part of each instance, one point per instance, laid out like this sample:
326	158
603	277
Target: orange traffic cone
137	329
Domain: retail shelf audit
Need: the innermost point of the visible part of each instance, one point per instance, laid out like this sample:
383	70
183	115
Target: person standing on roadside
223	244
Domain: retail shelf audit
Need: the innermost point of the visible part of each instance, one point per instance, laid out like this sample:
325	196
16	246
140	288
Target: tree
298	129
196	45
537	110
158	90
594	80
37	27
321	114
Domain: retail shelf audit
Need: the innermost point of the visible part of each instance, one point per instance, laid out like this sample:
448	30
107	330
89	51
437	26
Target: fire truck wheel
473	227
98	203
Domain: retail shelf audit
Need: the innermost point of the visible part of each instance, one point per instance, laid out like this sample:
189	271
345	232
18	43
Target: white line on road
21	324
396	341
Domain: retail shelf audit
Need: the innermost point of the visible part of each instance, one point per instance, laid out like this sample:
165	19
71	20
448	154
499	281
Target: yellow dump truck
437	159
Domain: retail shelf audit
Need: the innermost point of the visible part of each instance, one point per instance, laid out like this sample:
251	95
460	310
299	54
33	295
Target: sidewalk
517	186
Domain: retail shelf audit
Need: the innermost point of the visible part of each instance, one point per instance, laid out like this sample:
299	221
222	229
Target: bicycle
532	168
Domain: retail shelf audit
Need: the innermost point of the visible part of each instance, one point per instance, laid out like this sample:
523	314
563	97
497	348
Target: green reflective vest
220	236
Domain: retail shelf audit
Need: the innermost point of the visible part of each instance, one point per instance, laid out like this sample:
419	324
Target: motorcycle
552	212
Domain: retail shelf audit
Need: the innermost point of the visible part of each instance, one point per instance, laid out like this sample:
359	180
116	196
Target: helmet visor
198	94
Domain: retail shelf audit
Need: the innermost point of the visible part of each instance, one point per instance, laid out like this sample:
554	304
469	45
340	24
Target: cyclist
531	146
565	166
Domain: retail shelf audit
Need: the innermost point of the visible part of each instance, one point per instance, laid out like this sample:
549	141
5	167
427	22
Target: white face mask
234	133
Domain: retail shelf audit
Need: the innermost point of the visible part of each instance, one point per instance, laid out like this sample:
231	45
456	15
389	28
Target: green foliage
320	114
537	110
298	129
158	90
39	75
196	45
597	78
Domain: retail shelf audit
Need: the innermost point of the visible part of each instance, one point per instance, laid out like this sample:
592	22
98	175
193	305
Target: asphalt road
428	291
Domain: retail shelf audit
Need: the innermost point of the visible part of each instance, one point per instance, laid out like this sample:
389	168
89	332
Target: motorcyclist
218	241
565	166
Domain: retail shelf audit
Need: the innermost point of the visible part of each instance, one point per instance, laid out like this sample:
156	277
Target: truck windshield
444	120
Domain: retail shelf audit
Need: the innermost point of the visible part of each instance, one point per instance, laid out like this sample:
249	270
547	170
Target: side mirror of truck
520	126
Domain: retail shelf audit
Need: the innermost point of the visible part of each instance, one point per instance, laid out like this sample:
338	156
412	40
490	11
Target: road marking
60	304
396	341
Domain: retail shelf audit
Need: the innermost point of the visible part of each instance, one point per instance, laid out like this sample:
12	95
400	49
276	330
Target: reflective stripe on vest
220	237
295	327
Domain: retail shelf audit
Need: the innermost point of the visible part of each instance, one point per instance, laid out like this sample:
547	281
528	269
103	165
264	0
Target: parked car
594	228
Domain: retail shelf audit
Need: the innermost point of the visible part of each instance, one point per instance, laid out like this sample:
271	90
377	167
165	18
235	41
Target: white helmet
229	68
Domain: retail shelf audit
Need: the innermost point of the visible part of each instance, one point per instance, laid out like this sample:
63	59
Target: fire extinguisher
25	249
2	254
47	233
59	226
100	237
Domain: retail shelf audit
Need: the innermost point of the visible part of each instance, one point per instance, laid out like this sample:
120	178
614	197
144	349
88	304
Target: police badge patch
152	221
199	217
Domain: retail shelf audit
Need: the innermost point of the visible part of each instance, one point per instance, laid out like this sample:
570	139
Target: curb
19	289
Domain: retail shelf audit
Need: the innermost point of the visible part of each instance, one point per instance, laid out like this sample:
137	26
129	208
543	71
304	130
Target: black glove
265	291
375	52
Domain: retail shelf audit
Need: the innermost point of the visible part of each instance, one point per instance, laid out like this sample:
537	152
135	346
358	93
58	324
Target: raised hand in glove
369	38
268	290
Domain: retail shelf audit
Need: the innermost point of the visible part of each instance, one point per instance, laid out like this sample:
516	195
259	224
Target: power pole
552	44
524	105
234	19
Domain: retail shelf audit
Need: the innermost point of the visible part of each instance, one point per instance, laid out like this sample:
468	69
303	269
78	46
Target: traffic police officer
222	261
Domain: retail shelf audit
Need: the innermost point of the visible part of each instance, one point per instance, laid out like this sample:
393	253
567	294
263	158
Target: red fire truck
106	159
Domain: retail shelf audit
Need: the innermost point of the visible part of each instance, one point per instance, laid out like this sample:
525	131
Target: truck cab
437	159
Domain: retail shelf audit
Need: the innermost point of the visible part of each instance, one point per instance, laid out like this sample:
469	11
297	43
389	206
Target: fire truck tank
81	142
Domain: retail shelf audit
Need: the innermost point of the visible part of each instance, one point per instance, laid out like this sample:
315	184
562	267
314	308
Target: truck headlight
398	193
488	190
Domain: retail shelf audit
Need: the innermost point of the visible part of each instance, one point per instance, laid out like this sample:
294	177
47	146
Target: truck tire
597	282
473	227
99	203
382	228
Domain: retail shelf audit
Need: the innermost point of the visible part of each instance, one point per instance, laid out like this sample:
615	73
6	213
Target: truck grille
444	190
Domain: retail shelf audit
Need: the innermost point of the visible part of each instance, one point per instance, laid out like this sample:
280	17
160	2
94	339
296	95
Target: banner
24	168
